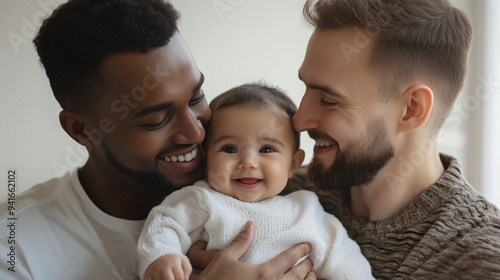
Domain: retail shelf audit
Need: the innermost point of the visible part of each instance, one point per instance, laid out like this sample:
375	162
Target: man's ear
297	160
418	101
77	127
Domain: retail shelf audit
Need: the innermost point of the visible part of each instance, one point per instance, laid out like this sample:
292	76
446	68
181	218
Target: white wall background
233	42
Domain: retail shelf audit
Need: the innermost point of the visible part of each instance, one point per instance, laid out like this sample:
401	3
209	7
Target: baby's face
250	152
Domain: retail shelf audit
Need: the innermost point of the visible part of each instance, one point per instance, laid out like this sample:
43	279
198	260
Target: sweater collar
425	205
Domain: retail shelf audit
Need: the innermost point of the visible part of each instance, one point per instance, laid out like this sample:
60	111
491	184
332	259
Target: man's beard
152	180
358	163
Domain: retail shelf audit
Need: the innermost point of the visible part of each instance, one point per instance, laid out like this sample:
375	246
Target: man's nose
190	129
306	117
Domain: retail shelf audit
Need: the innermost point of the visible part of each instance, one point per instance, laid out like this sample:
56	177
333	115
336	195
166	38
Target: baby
251	150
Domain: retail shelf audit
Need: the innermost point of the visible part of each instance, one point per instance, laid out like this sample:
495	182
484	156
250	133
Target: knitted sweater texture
449	232
199	212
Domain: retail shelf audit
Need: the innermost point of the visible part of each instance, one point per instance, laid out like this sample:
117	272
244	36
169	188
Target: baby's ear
297	160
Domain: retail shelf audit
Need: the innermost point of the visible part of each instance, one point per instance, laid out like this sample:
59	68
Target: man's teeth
324	144
182	158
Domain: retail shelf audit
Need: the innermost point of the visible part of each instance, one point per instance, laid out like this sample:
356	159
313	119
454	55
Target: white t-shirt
60	234
199	212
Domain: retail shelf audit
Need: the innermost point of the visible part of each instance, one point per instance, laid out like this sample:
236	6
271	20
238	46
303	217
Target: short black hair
73	42
257	95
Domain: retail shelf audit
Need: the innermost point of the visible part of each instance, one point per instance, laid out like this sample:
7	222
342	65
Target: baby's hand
169	267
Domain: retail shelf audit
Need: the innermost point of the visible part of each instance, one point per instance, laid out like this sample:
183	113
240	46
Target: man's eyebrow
324	89
154	109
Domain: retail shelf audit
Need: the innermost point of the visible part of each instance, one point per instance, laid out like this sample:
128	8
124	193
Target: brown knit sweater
448	232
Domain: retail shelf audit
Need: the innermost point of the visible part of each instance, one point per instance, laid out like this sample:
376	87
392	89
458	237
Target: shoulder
203	191
459	201
200	194
466	223
199	187
304	204
474	219
40	195
27	224
302	196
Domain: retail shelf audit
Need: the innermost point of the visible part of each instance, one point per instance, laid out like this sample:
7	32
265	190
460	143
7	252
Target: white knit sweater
199	212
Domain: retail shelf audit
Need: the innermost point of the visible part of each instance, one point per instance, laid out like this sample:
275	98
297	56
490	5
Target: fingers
169	267
186	269
199	256
226	264
301	271
242	242
310	276
286	260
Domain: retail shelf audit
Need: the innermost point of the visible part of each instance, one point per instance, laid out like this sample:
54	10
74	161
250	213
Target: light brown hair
425	40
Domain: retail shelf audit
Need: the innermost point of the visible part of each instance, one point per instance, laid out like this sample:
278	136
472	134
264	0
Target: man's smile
322	147
182	157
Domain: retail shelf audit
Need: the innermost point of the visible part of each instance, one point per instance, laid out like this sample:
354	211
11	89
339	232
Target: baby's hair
257	95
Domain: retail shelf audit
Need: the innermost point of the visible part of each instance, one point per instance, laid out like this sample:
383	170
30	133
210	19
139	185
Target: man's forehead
141	83
167	58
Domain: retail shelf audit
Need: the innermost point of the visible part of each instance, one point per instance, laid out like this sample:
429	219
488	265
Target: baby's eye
229	149
266	150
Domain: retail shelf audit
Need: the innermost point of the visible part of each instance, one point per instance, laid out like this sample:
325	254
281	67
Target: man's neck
395	187
116	194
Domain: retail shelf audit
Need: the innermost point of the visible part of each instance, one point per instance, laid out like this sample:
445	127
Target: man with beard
131	94
381	77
